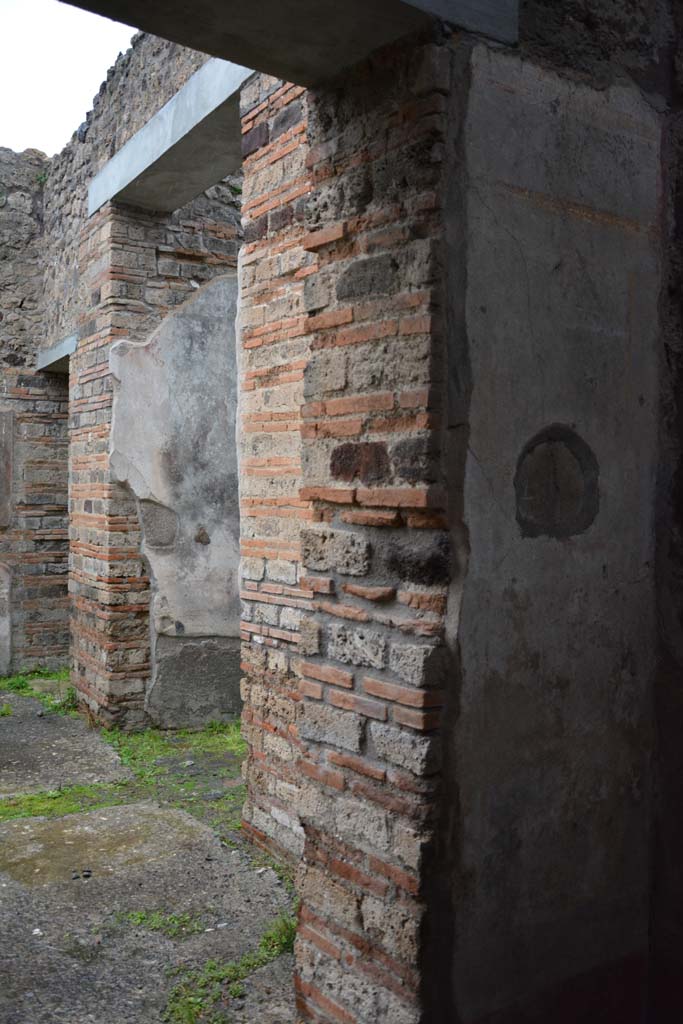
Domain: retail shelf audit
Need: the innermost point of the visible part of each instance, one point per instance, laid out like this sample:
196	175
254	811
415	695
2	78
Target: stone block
343	551
324	724
356	646
197	680
418	754
375	275
416	664
360	822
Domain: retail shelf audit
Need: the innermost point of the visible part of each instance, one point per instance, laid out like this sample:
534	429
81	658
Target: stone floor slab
42	751
69	953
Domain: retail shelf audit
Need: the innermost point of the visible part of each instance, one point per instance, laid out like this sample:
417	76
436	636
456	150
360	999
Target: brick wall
136	267
342	714
33	468
139	83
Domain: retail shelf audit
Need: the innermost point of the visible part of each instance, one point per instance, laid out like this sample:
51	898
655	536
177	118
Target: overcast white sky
53	59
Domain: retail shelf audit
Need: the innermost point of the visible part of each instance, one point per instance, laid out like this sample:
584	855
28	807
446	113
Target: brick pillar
135	267
274	352
345	735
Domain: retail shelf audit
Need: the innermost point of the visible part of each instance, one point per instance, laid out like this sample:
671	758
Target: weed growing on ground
153	757
5	710
175	926
21	684
199	995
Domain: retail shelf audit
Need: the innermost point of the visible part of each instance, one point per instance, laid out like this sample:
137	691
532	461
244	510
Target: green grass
5	710
56	803
200	993
156	761
175	926
53	702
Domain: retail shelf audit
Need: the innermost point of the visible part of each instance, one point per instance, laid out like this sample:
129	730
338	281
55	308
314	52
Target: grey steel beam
55	359
303	41
190	144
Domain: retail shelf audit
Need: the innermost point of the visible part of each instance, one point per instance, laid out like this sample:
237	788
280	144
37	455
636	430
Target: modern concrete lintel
190	144
55	359
303	41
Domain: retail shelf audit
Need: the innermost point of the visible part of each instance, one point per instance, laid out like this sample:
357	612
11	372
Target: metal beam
190	144
302	41
55	359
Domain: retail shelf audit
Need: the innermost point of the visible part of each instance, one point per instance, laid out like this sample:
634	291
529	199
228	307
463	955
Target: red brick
335	780
377	402
318	584
408	695
334	318
357	764
327	674
426	521
352	874
335	495
416	325
397	875
371	518
399	497
369	593
327	1005
343	611
310	689
309	934
424	721
361	705
317	239
335	428
425	602
367	332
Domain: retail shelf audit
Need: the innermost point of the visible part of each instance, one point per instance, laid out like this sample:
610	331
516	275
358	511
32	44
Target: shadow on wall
173	444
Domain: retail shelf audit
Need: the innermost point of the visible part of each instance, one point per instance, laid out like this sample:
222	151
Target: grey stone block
196	681
335	549
357	646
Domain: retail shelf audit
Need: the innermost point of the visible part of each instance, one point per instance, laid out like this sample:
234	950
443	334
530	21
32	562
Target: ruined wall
479	335
33	453
141	81
137	269
346	732
182	469
118	275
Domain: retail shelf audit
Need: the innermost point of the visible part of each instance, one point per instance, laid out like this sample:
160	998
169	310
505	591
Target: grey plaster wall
550	752
173	443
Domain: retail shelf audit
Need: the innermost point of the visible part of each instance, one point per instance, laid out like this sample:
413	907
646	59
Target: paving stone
40	750
69	956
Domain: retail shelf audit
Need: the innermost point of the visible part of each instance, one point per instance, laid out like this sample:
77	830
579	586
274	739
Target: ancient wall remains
33	444
114	276
182	468
139	83
457	273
